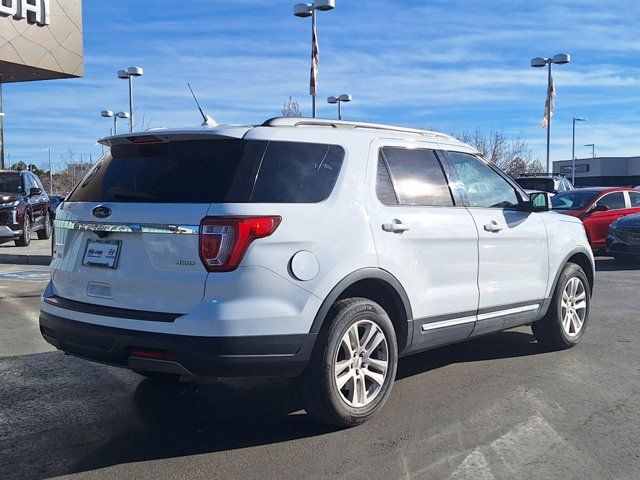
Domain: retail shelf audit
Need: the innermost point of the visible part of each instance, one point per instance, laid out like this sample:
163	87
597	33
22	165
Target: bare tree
512	156
291	108
69	175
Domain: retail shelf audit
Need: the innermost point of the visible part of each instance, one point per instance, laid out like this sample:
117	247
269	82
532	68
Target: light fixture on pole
115	116
304	10
338	100
128	74
538	62
593	149
50	170
573	149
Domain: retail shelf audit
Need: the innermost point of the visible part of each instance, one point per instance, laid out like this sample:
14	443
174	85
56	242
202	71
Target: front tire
566	320
25	238
353	366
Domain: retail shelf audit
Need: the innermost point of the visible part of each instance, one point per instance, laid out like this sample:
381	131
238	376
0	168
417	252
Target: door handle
395	227
492	227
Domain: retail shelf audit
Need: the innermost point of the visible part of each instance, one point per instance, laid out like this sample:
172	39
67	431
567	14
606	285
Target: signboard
38	12
40	40
580	168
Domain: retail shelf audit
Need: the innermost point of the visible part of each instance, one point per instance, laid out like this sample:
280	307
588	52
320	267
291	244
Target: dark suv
24	208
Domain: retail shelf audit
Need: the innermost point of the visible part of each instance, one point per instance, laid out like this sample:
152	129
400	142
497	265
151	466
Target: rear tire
353	365
25	238
45	232
566	320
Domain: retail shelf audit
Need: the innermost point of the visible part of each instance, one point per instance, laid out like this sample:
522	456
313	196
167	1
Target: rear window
213	171
541	184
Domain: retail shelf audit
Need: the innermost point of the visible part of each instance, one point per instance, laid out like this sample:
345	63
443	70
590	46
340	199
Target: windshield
573	200
10	183
541	184
213	171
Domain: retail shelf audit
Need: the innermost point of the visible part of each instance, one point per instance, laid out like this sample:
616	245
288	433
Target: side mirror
538	202
600	207
35	191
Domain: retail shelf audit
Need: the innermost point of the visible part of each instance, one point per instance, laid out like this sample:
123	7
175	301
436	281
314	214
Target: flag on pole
315	57
550	104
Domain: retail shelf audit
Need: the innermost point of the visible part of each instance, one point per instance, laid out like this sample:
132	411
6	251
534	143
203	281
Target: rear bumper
200	358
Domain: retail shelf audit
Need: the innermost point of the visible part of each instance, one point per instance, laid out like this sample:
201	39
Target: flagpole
549	93
313	47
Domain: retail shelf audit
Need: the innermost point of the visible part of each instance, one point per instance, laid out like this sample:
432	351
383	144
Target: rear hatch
127	236
135	233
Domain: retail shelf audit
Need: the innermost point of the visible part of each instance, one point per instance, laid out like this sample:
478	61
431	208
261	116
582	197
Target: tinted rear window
213	171
541	184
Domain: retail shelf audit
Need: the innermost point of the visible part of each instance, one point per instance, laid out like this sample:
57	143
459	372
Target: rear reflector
152	354
224	240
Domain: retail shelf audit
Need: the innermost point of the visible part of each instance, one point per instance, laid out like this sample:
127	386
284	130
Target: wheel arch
381	287
580	257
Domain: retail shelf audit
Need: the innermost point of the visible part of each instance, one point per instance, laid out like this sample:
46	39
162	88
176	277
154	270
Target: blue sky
445	65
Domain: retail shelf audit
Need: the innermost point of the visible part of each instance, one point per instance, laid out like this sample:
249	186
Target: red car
598	207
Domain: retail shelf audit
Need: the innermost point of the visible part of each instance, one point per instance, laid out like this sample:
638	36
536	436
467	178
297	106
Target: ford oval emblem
101	211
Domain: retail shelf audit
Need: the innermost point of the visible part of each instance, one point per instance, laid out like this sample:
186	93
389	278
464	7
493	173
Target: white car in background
317	249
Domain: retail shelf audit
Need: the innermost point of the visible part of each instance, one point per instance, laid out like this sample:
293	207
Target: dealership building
39	40
602	171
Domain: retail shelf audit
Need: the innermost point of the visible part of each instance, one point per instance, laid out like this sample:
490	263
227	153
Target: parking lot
494	408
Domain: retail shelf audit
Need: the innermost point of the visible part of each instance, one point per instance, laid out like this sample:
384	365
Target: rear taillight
224	240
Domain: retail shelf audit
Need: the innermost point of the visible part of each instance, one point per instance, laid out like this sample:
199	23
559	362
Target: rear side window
408	176
614	201
635	199
213	171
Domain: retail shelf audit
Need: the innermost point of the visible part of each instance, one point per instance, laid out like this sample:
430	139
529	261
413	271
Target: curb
25	259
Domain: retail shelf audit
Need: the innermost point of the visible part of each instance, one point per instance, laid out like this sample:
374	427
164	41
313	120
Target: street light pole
573	149
115	116
128	74
1	128
50	172
304	10
338	100
548	112
593	149
560	59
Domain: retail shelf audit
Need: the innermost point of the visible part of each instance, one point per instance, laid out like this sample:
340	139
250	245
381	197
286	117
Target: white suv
316	249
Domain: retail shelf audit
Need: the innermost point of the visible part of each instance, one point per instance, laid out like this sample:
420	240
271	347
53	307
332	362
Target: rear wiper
123	193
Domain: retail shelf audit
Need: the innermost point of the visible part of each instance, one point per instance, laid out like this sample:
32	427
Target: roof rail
321	122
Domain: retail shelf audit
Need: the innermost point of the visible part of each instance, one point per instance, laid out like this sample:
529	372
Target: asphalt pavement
499	407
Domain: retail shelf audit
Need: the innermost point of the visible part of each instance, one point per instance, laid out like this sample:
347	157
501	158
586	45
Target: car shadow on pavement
608	264
94	416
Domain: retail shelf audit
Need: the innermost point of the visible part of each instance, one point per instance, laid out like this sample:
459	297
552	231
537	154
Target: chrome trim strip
447	323
127	227
509	311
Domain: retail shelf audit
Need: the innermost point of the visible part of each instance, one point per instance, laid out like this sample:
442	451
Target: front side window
614	201
213	171
483	185
411	176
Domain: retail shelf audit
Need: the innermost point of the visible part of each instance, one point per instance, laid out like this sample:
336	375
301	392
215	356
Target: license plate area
102	253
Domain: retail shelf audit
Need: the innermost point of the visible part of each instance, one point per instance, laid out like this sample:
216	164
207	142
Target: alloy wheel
574	306
361	363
